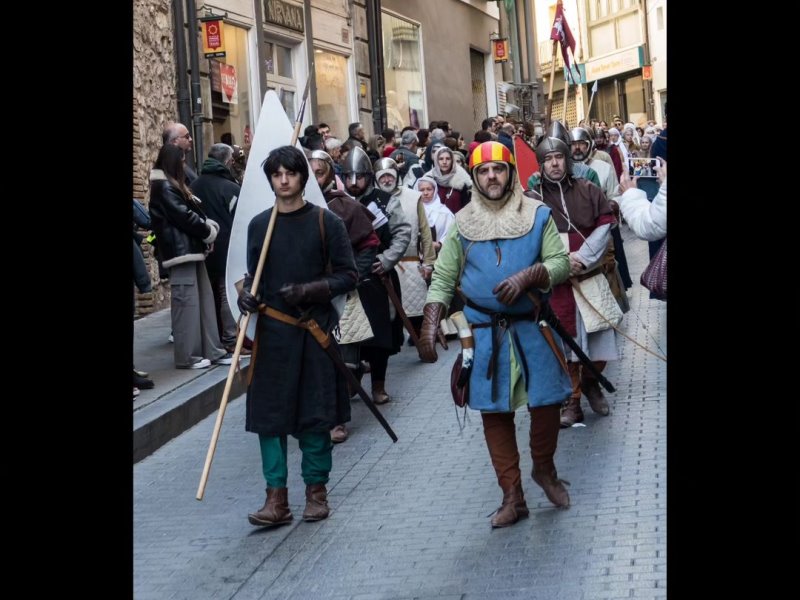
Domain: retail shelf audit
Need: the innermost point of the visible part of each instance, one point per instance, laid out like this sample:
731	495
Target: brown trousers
501	440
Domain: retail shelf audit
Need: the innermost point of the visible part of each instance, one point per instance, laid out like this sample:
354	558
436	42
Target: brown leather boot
379	395
571	412
512	509
598	402
275	510
316	503
553	486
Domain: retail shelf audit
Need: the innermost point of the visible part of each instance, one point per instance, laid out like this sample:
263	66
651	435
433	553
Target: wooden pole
552	81
262	259
566	97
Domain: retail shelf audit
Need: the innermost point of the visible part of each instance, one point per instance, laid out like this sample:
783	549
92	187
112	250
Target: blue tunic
546	381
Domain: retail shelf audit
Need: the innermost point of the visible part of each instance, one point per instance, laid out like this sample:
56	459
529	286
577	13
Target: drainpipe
184	106
197	98
375	36
312	57
515	52
648	84
260	56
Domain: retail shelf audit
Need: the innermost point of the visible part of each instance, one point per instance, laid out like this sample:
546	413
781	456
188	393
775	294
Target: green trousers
315	466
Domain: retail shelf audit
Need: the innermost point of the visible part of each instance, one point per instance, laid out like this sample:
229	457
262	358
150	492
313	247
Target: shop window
230	92
333	100
403	73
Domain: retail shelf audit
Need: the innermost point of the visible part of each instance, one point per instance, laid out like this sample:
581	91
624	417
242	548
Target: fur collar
484	219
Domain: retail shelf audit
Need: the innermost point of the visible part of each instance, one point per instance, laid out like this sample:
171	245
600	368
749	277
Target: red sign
647	72
213	38
230	90
500	50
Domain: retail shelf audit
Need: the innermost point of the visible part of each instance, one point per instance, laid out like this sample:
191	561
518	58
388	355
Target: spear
298	123
591	99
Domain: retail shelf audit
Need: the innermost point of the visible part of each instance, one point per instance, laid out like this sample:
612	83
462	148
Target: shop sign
213	74
230	87
500	50
284	14
213	37
647	72
619	62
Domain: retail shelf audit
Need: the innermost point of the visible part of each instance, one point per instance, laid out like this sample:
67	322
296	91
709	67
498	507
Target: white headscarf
456	179
438	215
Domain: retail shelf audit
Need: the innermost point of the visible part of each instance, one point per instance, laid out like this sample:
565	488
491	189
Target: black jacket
217	188
181	227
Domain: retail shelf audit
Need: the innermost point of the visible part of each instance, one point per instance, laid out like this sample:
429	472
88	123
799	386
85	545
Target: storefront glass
402	59
230	92
333	106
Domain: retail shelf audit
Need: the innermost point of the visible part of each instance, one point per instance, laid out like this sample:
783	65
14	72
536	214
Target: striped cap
490	152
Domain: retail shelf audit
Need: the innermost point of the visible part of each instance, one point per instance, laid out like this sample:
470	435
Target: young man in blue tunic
503	245
294	387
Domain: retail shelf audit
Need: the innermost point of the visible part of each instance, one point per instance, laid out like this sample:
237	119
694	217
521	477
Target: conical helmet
357	161
579	134
548	145
557	130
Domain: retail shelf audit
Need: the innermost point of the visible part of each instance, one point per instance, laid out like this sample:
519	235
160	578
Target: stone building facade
154	104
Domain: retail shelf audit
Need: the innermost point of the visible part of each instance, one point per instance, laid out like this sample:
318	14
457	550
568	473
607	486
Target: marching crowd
421	225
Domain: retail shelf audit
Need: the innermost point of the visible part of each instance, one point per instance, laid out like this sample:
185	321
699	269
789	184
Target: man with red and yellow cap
502	245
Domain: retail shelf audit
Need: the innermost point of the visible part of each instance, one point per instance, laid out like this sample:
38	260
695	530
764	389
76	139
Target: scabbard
399	308
324	340
546	312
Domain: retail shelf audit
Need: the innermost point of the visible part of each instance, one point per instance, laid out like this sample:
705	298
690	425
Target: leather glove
431	317
511	288
614	208
306	293
246	302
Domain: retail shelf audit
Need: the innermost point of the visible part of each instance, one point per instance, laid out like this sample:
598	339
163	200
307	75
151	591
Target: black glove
246	302
511	288
306	293
431	317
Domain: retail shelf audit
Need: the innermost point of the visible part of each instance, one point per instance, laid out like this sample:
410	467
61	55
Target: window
333	105
403	73
613	25
279	70
231	113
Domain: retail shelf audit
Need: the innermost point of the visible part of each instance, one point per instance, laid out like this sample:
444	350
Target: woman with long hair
185	235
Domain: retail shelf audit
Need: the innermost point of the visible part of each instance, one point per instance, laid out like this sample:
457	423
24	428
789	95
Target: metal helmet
321	155
383	166
490	152
551	144
357	163
557	130
579	134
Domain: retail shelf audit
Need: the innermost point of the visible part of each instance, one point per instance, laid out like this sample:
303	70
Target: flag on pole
562	34
594	87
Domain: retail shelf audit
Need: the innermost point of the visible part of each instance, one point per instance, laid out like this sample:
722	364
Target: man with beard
413	273
394	232
582	214
501	246
364	242
294	387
